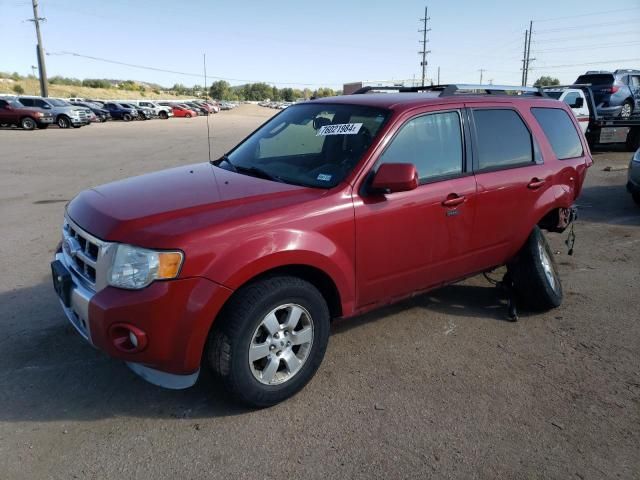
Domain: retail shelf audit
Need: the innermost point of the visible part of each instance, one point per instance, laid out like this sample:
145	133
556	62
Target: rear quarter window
560	131
596	79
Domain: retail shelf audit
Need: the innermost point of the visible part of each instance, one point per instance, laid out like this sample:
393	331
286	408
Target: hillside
32	87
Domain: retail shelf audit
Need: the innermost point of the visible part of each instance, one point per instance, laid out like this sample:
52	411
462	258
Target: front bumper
176	316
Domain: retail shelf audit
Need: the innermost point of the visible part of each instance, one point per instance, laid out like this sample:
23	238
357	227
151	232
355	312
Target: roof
403	101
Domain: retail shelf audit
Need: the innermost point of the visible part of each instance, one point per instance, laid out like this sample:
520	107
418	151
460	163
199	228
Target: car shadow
48	372
464	300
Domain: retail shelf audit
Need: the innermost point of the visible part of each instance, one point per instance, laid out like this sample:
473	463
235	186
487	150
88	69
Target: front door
410	241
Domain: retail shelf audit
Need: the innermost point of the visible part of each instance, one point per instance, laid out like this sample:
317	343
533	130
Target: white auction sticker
339	129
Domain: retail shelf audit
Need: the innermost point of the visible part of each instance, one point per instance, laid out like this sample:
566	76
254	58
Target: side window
40	103
27	102
571	98
635	81
560	131
432	142
502	139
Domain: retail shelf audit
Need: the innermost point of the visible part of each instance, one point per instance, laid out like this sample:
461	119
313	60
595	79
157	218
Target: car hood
156	209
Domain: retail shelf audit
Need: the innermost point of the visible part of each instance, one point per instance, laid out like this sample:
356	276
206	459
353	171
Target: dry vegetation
32	87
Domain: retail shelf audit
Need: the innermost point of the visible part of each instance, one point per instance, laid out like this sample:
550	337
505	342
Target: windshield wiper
253	171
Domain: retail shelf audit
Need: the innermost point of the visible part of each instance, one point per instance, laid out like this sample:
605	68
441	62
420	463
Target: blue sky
328	43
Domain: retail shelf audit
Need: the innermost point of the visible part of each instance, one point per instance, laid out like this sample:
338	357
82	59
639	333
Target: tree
18	89
287	94
219	90
324	92
546	81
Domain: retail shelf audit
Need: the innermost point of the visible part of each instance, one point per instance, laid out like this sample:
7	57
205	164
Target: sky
313	44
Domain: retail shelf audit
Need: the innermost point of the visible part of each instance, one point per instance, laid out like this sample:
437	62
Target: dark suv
615	93
330	209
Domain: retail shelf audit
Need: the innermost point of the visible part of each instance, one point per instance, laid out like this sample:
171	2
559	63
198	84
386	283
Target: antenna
206	96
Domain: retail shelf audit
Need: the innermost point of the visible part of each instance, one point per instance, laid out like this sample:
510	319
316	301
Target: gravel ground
439	386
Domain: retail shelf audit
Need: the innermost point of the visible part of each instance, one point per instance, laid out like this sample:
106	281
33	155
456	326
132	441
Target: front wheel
63	121
163	115
28	123
270	340
127	117
188	115
535	275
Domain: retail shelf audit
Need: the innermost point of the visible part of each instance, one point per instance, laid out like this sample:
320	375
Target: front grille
81	251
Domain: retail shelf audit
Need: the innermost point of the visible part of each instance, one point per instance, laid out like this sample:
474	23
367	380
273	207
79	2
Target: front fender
281	248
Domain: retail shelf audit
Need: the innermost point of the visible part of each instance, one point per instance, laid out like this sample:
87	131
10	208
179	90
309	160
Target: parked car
195	108
65	115
162	111
633	177
183	111
143	112
239	265
120	112
27	118
101	113
615	93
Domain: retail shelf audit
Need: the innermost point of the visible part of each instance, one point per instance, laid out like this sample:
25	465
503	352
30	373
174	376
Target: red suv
331	208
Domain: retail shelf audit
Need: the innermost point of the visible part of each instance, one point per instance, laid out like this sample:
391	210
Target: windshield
58	103
311	144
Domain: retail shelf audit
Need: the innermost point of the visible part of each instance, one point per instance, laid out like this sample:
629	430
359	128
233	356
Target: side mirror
46	106
578	103
395	177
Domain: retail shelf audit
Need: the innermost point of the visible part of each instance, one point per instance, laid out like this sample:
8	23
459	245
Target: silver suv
65	114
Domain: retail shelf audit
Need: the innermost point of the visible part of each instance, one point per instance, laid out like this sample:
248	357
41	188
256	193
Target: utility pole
44	88
424	42
529	59
482	70
438	76
524	56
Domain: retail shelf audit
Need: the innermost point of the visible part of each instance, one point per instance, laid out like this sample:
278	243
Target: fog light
133	339
127	338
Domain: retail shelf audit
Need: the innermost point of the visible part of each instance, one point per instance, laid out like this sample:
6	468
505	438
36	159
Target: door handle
453	200
535	183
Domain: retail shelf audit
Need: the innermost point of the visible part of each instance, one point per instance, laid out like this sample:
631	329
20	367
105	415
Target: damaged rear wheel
535	275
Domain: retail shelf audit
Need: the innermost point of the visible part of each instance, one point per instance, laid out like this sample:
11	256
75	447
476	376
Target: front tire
63	121
127	117
163	115
269	340
535	275
28	123
188	115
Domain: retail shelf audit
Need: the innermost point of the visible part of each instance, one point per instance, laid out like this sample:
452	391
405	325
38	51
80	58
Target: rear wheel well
315	276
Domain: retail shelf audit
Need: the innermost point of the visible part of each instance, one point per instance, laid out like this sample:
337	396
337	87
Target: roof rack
573	85
456	88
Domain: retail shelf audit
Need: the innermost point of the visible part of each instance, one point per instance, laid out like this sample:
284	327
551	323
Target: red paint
183	112
376	248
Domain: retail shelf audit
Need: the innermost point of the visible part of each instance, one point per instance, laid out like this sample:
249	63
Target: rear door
511	178
410	241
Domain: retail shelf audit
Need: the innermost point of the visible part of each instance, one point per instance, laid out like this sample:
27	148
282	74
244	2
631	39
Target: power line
587	47
587	14
592	26
602	62
188	74
579	37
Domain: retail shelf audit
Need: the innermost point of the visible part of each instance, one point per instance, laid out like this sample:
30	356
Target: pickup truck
121	112
598	129
332	208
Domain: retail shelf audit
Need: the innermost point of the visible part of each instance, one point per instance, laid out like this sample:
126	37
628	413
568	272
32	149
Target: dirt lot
438	386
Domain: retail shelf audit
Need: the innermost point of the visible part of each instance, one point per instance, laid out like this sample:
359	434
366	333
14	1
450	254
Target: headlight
134	268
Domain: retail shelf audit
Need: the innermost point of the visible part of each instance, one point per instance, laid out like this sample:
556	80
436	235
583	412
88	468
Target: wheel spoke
258	351
303	336
271	323
270	370
292	362
293	317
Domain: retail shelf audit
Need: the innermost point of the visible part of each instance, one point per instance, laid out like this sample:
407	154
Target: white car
575	98
161	111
